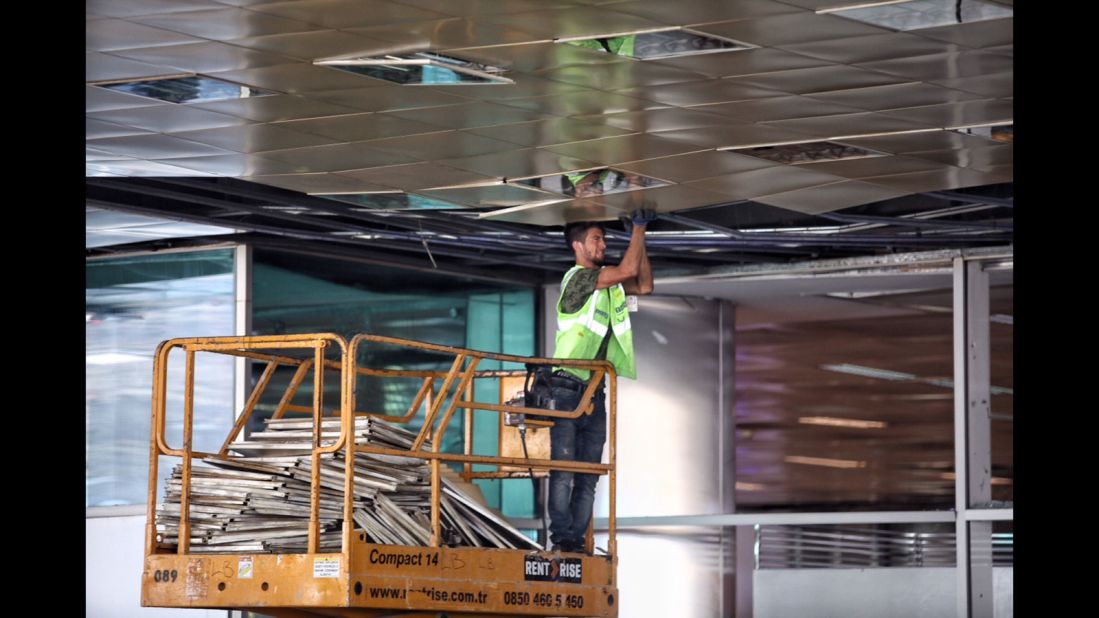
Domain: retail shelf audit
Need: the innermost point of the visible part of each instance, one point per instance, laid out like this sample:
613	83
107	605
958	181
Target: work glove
643	216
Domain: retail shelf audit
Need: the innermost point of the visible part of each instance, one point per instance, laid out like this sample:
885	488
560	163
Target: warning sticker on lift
326	567
539	569
244	567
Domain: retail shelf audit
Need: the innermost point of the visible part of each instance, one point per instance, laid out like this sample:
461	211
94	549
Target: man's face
593	247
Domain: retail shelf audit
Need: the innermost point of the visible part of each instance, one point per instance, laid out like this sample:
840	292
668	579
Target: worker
593	323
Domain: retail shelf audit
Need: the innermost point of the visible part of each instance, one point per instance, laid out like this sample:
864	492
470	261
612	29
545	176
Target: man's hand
643	216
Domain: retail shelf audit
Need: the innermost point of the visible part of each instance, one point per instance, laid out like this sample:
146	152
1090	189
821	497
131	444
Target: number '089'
164	575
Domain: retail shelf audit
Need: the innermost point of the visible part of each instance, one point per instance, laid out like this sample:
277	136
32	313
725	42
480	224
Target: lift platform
367	578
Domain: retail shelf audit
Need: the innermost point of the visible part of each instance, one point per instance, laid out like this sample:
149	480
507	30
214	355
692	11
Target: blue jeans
571	494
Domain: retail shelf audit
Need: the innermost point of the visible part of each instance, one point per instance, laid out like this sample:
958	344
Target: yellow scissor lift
366	579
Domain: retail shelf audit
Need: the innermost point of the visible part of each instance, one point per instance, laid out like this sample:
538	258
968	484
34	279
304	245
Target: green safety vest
580	334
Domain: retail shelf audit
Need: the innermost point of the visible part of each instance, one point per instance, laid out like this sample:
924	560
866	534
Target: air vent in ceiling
660	44
421	69
185	89
807	152
917	14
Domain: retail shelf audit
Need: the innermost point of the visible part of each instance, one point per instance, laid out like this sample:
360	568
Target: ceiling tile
154	146
255	138
620	75
939	180
896	96
686	12
336	158
275	108
920	142
348	13
360	127
777	108
939	66
105	35
493	196
225	24
984	158
831	197
387	98
435	146
575	21
736	136
556	213
999	85
612	150
102	67
417	176
168	118
696	165
234	165
765	181
316	45
780	30
977	34
468	115
445	34
820	79
583	103
128	8
97	129
750	61
521	163
843	125
298	78
702	93
875	166
530	57
868	48
205	57
667	119
551	131
316	183
966	113
98	99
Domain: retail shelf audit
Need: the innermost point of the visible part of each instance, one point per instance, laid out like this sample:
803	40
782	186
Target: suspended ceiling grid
810	77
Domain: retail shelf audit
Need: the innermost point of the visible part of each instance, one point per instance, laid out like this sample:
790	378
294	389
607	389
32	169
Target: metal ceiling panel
831	197
417	176
467	115
96	154
703	93
819	79
446	34
565	211
575	21
661	199
336	158
612	150
742	62
841	125
276	108
469	8
1000	85
765	181
491	196
98	99
939	180
985	111
736	136
315	45
339	14
780	30
105	35
168	118
985	158
143	168
205	57
314	183
521	163
937	66
103	67
540	56
878	98
298	78
778	108
552	131
127	8
667	119
696	165
387	97
583	103
225	24
875	166
920	142
869	48
978	34
525	86
620	75
685	12
435	146
256	138
235	165
359	127
97	129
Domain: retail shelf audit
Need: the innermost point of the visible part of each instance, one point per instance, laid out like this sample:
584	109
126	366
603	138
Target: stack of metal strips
257	500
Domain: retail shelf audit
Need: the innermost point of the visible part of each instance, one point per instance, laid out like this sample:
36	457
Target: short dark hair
575	231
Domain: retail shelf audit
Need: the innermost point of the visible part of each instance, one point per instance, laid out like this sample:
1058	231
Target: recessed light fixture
185	89
421	69
657	44
917	14
807	152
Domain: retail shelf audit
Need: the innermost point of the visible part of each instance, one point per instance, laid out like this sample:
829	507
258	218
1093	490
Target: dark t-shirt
579	289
